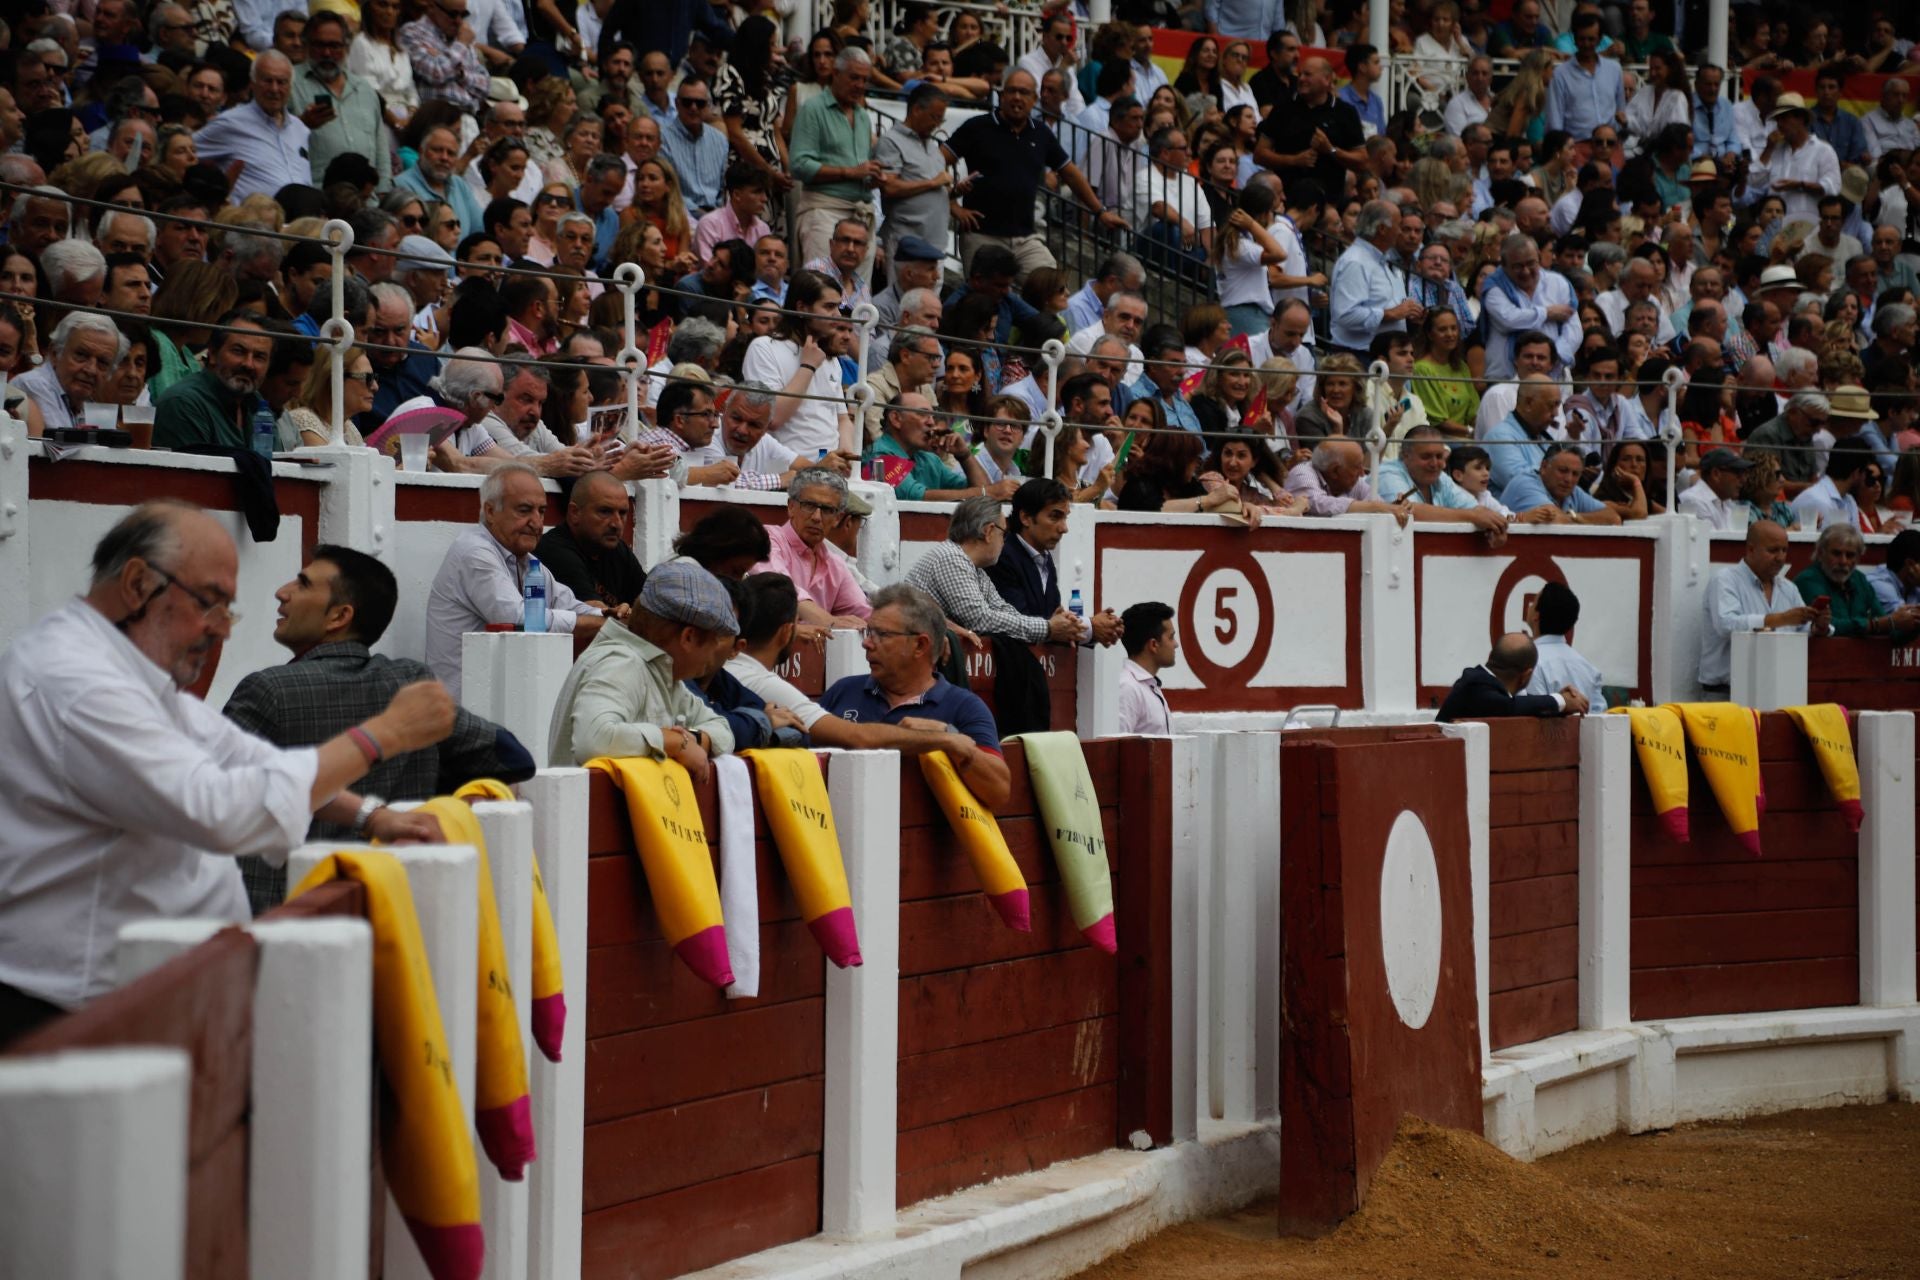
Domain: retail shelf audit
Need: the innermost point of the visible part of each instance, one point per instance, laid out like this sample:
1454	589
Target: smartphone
323	99
1823	602
1126	447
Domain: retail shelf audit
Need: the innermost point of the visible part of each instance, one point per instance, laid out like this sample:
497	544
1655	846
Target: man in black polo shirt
1008	155
589	553
1317	133
1274	85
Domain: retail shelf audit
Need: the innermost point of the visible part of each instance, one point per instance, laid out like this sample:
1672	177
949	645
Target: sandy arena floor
1803	1196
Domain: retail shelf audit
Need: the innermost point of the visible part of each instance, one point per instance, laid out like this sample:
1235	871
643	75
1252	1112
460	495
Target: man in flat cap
626	696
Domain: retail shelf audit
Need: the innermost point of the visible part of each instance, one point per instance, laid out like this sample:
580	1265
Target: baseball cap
857	505
1725	460
684	592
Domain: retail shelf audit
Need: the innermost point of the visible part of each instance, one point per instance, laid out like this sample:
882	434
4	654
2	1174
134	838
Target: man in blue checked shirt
1369	293
1552	495
1589	91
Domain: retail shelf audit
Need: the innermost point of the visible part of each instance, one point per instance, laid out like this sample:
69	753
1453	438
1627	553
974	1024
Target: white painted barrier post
93	1164
1606	859
1886	858
846	656
444	881
15	583
863	1004
1769	669
1244	935
1387	621
559	800
312	1071
513	679
356	503
656	520
1477	741
508	826
879	556
1192	831
1682	573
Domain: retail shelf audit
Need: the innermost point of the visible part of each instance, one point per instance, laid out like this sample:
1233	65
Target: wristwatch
369	805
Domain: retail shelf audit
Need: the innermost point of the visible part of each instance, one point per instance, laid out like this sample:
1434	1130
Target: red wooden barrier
1864	674
1534	839
1143	922
1059	661
1009	1042
201	1002
1357	1051
1716	930
704	1115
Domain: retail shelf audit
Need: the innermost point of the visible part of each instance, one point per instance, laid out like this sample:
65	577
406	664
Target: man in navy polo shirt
1008	155
903	635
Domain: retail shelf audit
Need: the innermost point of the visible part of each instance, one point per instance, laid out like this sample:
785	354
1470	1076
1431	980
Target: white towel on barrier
739	883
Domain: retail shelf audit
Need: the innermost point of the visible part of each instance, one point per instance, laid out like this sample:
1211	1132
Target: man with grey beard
215	406
344	114
432	178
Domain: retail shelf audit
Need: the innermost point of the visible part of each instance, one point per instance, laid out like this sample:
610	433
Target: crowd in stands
1532	248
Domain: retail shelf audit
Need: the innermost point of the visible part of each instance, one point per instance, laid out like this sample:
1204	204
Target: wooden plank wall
704	1115
1534	846
1716	930
1063	685
201	1002
1009	1042
1864	674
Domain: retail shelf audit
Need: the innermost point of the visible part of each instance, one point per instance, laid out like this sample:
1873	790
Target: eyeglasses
369	378
411	220
696	415
684	102
821	509
873	635
214	611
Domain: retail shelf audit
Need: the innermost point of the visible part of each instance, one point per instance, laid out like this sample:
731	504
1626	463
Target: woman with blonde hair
194	295
1761	489
308	419
1279	378
82	177
1336	408
657	199
550	105
1520	110
1227	398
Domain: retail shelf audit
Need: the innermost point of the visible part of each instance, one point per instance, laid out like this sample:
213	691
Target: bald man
260	144
1491	690
1752	596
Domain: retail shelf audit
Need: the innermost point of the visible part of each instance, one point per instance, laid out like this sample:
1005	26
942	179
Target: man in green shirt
917	472
1857	610
215	406
832	157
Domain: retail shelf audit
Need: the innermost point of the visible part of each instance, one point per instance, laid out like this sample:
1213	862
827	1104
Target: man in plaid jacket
330	616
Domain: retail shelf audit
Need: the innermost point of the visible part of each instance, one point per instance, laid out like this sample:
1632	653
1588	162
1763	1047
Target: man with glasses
684	421
1789	438
215	406
1009	155
745	439
829	595
697	151
904	638
170	28
129	797
445	63
912	364
1055	53
344	113
269	142
850	249
922	456
403	365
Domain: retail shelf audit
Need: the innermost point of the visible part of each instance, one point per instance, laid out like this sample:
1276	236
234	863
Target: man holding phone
343	115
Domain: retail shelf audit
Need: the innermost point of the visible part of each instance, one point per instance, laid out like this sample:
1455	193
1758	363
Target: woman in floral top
752	100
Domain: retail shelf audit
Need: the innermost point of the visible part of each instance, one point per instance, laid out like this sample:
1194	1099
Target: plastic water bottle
264	436
1076	608
533	612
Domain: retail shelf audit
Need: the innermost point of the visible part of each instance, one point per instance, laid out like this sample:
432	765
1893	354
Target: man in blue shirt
1553	494
697	149
1833	124
1557	664
904	636
1521	32
1363	72
1714	135
1160	382
1369	296
1517	445
1589	91
432	178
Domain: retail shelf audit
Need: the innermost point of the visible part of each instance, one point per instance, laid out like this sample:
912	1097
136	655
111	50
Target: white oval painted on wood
1410	919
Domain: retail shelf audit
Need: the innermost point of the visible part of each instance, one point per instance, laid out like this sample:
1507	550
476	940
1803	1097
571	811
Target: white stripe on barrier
508	826
1886	858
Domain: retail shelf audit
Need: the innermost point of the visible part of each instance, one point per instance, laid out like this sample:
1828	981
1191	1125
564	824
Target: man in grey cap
1716	494
916	267
626	695
424	273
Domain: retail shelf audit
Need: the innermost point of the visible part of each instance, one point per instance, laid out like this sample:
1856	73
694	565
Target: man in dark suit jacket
1025	573
1492	690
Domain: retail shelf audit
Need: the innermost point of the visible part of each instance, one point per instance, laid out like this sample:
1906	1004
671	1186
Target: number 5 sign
1226	619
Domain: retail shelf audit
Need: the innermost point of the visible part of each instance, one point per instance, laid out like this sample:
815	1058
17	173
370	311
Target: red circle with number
1526	564
1194	641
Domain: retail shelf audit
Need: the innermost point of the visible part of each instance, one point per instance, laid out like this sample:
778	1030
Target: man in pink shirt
829	595
738	217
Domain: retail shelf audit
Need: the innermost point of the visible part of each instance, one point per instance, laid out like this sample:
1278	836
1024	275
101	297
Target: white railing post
559	800
508	826
1387	622
1376	440
863	1004
93	1164
1477	741
1052	353
1886	857
656	520
1769	669
338	330
513	678
1670	435
846	655
628	278
1606	830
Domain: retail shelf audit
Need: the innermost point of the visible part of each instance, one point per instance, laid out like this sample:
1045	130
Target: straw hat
1779	277
1851	401
1787	102
1704	171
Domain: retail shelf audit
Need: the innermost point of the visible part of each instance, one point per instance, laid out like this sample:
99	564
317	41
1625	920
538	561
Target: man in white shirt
800	358
1715	496
481	579
1750	115
128	797
1147	634
1533	354
518	429
1521	298
1286	336
1887	126
1557	664
1830	500
1055	53
1752	596
1795	165
270	143
1471	105
1638	281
